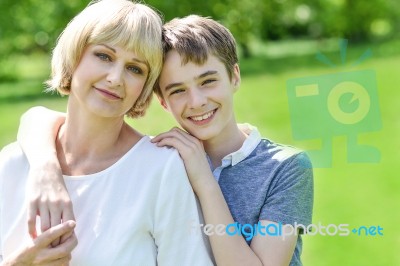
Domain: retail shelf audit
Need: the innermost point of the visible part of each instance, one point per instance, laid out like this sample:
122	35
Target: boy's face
200	97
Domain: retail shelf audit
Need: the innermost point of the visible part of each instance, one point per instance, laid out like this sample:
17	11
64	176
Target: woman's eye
103	57
135	69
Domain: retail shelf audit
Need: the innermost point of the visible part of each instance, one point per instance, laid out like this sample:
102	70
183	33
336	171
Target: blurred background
278	40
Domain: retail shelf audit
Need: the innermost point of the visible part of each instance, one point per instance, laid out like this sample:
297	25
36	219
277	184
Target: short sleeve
290	200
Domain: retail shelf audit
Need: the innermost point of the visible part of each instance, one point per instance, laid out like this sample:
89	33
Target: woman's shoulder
148	151
156	163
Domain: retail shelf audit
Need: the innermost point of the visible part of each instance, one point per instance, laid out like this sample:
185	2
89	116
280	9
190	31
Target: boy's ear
236	77
162	102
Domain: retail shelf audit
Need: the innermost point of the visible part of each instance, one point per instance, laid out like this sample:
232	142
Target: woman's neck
87	145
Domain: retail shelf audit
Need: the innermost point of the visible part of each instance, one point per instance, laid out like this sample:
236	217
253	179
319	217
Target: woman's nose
114	76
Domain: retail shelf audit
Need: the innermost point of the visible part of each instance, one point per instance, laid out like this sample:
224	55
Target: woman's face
108	80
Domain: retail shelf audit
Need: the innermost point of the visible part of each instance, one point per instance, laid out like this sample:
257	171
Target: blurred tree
33	25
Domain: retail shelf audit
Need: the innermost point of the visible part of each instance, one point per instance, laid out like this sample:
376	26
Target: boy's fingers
164	134
172	142
170	134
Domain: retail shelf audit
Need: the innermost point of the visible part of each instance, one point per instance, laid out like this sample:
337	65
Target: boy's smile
200	97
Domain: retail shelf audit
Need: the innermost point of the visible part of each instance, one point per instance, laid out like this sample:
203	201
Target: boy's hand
48	198
192	153
40	251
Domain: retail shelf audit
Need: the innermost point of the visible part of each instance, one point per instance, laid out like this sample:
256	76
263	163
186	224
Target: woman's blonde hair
133	26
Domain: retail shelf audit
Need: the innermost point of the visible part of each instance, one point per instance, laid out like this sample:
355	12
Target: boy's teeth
203	117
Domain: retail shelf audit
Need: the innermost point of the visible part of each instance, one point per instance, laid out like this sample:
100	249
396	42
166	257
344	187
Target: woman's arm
48	196
228	250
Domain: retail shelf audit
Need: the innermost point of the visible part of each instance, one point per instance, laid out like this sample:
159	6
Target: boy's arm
47	194
227	249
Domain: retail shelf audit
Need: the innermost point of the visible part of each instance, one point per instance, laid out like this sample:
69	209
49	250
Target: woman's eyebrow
133	59
109	47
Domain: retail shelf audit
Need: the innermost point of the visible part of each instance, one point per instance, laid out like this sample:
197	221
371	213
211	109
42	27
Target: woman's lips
108	94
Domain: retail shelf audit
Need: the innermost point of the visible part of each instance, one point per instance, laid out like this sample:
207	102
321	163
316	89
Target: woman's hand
40	251
48	198
192	153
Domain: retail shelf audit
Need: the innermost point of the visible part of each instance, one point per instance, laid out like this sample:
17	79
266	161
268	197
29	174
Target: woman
131	199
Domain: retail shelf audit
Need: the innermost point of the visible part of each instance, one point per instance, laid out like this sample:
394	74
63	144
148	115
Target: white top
139	211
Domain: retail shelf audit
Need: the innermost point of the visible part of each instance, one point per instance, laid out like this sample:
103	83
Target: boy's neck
218	147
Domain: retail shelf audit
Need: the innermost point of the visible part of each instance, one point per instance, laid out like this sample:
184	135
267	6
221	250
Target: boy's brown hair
195	37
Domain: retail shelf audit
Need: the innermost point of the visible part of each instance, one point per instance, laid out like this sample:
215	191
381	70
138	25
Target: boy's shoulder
274	153
264	147
277	151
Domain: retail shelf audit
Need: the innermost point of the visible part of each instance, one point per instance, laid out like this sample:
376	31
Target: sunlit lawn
354	194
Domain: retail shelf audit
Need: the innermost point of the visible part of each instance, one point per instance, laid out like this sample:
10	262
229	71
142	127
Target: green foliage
33	25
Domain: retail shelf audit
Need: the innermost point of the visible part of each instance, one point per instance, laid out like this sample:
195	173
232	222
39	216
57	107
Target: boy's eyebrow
205	74
115	51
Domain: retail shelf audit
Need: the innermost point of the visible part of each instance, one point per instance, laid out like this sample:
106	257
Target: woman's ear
236	77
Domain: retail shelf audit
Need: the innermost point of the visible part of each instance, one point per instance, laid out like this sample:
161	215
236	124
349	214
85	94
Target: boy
252	181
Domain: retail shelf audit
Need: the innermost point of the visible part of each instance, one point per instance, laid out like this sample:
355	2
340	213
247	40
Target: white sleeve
177	220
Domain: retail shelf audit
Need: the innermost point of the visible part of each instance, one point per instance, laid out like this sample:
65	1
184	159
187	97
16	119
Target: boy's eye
103	56
208	81
177	91
135	69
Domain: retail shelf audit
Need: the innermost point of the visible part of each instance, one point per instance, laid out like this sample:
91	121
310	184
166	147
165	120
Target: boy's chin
203	134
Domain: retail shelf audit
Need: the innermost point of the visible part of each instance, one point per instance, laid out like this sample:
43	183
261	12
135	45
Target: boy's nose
197	98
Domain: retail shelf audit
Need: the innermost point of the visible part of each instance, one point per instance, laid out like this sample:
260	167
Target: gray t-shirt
271	182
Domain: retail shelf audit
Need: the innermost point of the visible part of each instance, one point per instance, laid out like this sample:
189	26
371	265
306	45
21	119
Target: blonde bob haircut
132	26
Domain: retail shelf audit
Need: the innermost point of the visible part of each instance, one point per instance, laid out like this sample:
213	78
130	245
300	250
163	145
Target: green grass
354	194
